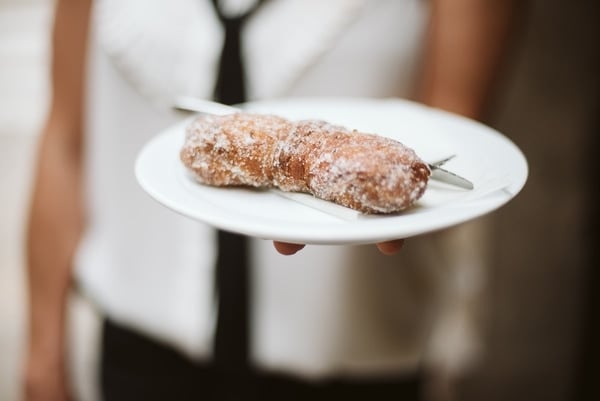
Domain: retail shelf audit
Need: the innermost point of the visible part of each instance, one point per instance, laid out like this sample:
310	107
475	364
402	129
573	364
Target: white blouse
328	310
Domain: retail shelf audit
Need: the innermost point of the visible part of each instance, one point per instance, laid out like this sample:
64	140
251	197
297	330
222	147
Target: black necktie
231	338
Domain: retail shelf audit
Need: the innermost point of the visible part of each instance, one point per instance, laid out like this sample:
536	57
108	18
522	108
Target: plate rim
324	235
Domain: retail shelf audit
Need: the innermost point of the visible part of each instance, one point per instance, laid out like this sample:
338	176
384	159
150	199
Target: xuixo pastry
366	172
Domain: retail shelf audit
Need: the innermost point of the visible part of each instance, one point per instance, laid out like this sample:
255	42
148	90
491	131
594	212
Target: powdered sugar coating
366	172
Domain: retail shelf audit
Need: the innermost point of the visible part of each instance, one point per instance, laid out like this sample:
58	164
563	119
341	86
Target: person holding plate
329	322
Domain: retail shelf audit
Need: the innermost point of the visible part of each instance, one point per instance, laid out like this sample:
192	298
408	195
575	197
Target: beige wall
23	96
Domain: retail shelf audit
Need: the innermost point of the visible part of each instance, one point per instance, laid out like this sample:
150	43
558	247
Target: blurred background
24	39
544	307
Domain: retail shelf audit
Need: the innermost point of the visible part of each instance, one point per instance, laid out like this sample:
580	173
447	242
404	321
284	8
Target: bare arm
56	215
465	50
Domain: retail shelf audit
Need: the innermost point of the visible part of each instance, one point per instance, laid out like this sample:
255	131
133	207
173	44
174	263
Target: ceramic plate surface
492	162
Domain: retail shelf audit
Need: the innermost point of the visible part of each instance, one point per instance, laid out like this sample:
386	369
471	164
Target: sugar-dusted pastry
366	172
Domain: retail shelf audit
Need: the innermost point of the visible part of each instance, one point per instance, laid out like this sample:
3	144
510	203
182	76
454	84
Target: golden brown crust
366	172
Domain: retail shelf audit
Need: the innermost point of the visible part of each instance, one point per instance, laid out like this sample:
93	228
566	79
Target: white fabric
168	49
141	263
164	48
324	311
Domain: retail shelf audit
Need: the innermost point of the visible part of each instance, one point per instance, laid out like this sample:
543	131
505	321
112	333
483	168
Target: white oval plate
492	162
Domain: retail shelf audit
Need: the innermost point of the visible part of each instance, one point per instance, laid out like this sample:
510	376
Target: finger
285	248
390	247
